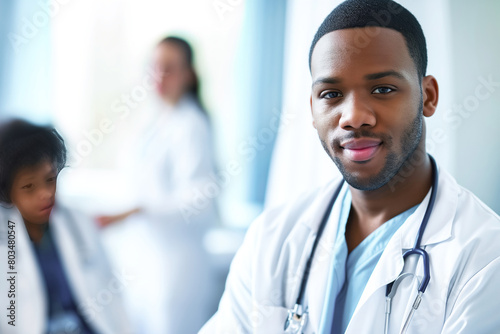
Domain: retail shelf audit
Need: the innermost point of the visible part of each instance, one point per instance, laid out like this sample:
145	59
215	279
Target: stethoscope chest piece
296	320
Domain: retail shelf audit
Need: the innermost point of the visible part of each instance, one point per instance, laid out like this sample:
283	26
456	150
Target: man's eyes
336	94
331	95
383	90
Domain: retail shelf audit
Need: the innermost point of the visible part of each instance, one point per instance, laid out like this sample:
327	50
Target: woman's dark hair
184	46
22	145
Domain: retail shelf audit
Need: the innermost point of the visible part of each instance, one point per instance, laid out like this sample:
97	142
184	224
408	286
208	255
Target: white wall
476	55
101	51
26	73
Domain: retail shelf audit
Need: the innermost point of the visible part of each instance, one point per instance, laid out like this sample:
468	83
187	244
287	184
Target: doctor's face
174	74
366	104
33	192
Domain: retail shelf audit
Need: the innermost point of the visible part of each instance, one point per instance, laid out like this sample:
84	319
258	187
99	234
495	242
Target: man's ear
430	92
311	104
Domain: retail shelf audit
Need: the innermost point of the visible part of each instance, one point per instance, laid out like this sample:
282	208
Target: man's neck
371	209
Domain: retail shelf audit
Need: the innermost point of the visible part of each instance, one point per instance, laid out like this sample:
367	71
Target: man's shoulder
464	202
472	250
476	228
297	212
471	208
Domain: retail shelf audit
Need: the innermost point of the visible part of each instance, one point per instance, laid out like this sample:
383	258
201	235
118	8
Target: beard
394	160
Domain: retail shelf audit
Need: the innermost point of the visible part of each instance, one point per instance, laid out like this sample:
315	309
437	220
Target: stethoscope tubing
321	228
416	250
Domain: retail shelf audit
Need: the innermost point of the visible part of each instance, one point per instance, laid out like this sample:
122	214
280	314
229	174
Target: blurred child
62	281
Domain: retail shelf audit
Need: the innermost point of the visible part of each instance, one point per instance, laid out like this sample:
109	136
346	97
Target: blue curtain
6	9
261	71
25	71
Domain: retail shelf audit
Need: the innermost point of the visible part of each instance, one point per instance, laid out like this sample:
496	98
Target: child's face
33	192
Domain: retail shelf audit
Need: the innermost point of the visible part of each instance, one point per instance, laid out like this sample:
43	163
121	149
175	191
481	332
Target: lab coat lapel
439	227
391	262
73	252
69	253
387	270
369	313
390	265
31	297
318	280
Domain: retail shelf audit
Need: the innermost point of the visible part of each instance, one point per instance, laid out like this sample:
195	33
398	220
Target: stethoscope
298	315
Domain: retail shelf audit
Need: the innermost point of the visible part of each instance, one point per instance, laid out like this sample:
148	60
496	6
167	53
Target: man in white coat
369	96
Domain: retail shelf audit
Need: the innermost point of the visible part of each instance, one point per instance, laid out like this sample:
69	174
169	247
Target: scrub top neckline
352	271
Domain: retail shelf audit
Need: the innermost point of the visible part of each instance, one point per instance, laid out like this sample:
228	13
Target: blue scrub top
351	272
64	316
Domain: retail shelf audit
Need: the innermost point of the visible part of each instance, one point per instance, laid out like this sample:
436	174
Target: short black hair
378	13
22	145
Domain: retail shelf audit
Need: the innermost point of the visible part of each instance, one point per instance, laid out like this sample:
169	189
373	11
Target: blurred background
81	66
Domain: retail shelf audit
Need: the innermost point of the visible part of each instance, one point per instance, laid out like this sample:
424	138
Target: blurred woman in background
172	165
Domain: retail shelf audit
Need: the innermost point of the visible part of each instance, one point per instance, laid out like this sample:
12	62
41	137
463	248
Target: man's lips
362	149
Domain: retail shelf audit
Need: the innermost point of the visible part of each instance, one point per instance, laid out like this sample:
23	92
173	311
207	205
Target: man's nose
356	113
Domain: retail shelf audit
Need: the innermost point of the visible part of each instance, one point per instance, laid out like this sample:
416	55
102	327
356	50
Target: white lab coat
171	167
96	289
462	240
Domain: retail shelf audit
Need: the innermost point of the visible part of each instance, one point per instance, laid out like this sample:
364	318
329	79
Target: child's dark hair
22	145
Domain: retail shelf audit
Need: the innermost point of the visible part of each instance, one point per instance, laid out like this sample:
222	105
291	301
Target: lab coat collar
317	288
32	296
73	250
391	263
185	102
439	229
314	213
